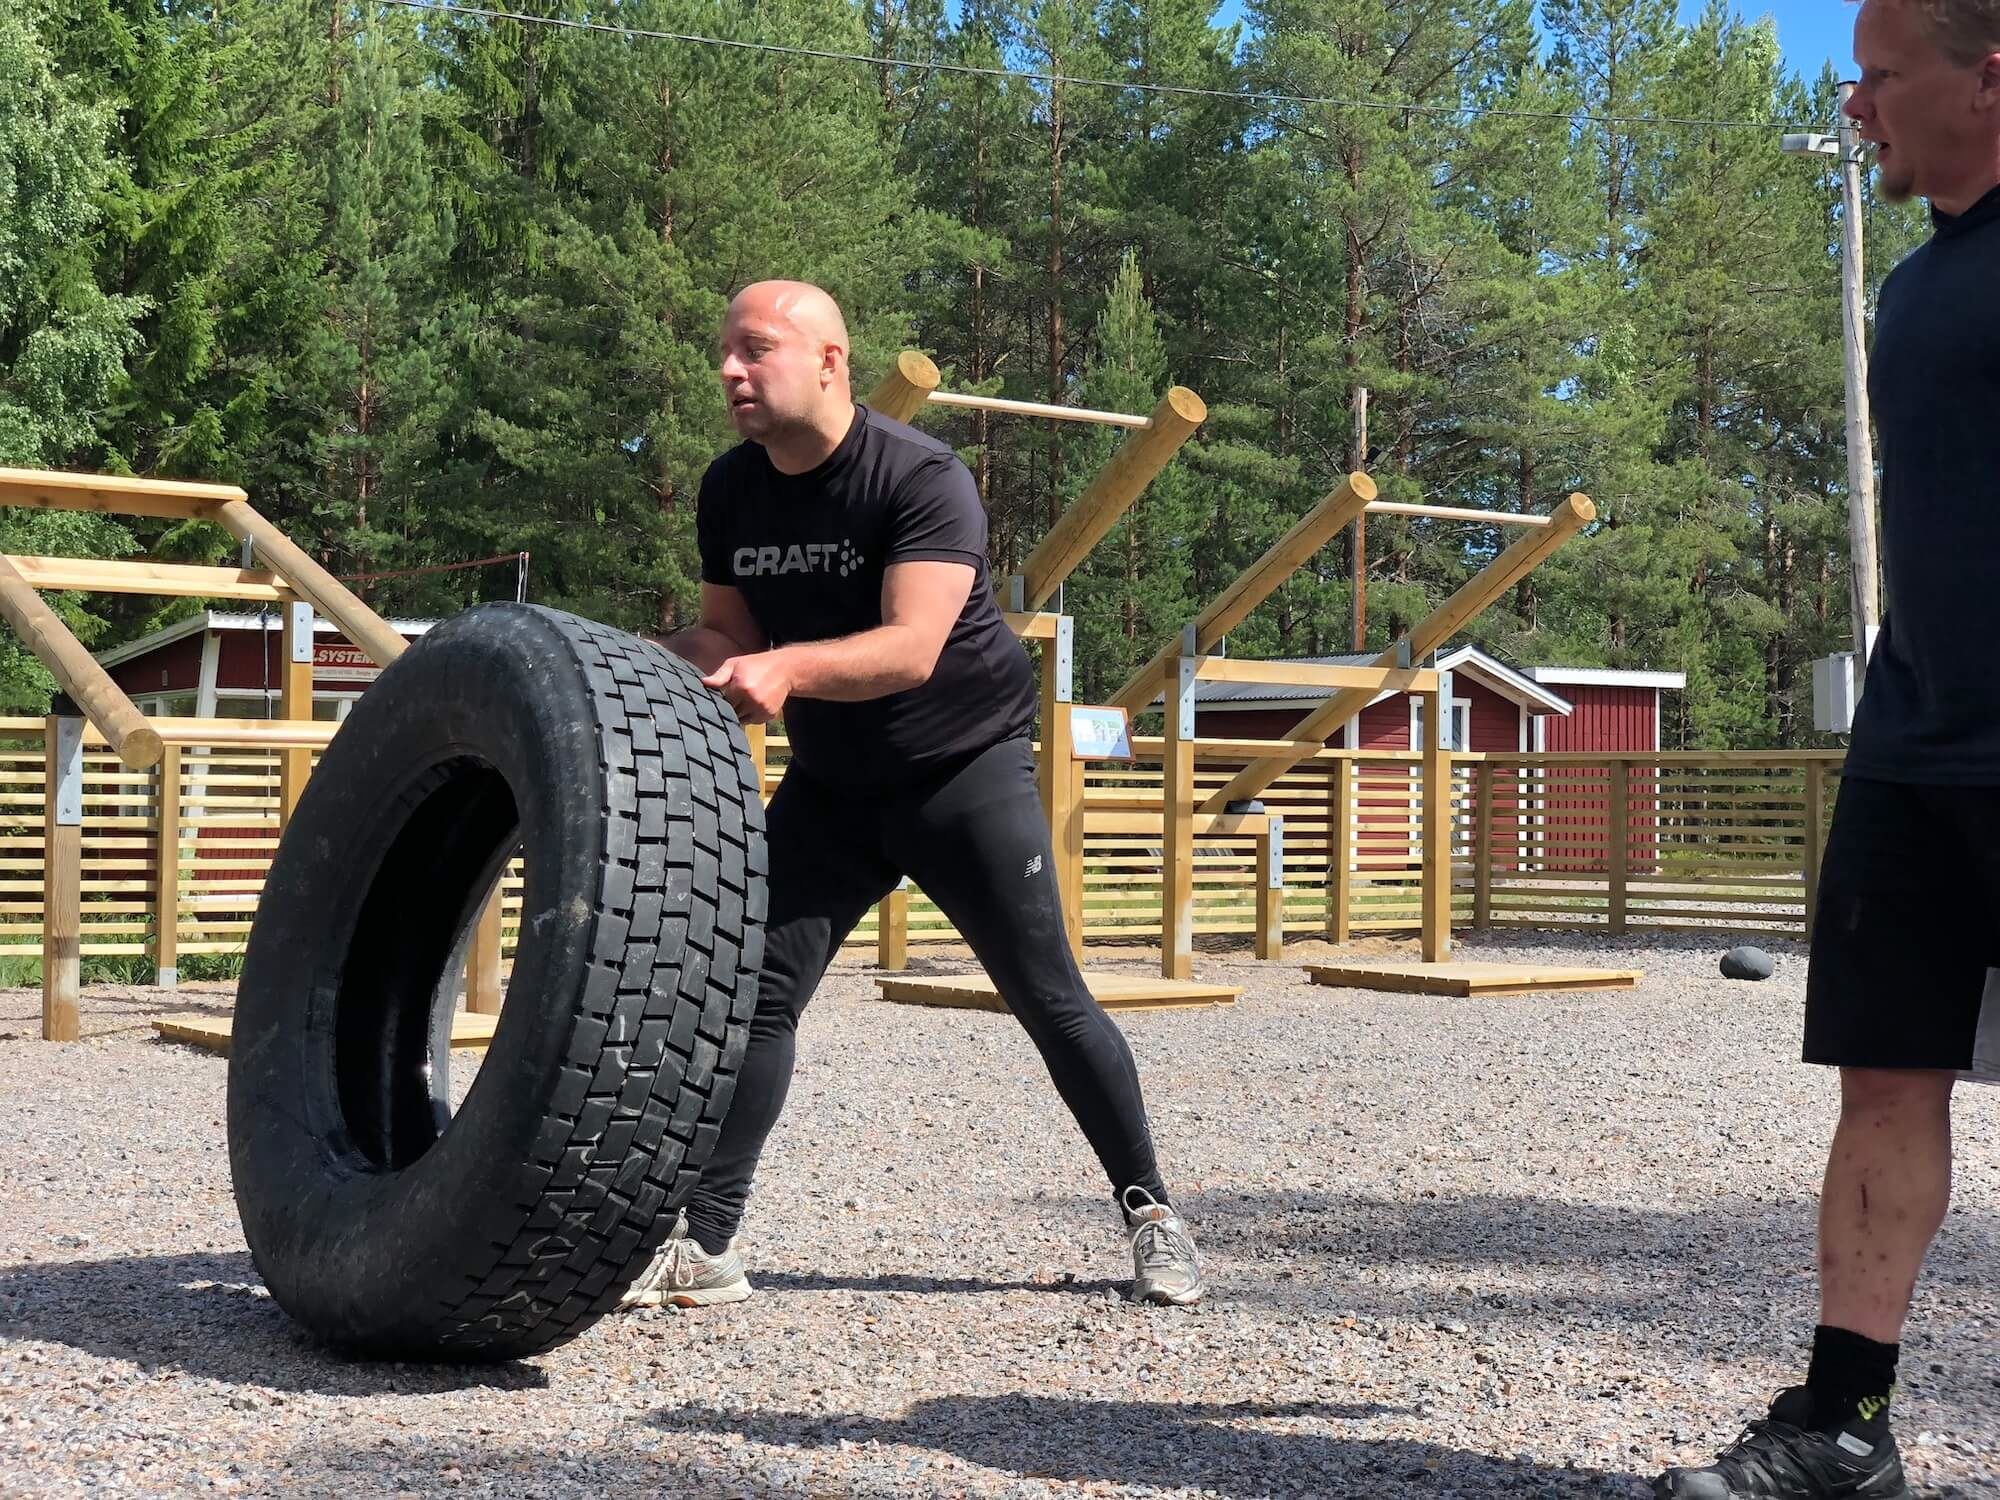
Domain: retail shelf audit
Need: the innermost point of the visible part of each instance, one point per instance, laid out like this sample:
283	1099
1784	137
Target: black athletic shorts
1907	926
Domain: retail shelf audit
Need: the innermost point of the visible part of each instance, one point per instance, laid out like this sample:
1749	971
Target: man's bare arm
727	629
920	603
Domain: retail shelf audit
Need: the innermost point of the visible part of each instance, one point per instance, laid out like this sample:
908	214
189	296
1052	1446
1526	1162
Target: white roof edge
1499	671
1605	677
194	624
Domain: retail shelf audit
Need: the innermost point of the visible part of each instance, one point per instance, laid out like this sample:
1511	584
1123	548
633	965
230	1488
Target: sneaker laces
677	1265
1162	1243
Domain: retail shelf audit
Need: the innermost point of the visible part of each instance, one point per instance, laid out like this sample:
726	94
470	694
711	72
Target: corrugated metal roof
1248	695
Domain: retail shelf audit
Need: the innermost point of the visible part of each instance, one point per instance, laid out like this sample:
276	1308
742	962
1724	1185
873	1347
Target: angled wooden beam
186	580
311	582
1498	576
1107	497
76	672
1253	586
901	393
112	495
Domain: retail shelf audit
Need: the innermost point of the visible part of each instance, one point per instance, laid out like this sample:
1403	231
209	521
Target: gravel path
1530	1247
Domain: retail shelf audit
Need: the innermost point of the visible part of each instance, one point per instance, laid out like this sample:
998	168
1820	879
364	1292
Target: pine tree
62	338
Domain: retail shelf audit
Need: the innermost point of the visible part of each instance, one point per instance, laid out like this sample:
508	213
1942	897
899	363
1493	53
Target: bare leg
1888	1183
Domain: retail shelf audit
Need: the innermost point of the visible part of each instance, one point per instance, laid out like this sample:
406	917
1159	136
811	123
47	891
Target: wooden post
1340	852
903	391
1436	940
1072	861
1060	776
892	928
1436	628
1815	837
62	878
1094	512
167	874
1177	827
757	738
296	665
1482	846
1621	840
1271	889
483	988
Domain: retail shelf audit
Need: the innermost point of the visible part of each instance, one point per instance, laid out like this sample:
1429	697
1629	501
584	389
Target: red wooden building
1561	819
210	666
1494	707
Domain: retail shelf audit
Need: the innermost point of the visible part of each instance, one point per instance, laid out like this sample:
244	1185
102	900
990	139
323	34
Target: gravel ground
1536	1246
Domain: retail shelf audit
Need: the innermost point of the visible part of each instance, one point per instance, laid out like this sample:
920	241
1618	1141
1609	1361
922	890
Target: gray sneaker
685	1275
1164	1267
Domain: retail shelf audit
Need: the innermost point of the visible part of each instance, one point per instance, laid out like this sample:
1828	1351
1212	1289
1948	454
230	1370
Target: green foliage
439	287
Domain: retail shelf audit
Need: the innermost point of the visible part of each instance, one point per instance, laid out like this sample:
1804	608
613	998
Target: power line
1172	90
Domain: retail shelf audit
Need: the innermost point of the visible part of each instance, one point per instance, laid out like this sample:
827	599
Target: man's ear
1988	96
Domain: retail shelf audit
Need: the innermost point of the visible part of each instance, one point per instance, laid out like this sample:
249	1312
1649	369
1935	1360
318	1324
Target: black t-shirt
1930	708
808	551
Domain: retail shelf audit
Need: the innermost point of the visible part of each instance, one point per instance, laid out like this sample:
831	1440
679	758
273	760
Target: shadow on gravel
806	1281
1214	1447
1603	1262
208	1316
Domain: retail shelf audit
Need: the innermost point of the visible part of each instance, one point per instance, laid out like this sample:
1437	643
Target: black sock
1851	1378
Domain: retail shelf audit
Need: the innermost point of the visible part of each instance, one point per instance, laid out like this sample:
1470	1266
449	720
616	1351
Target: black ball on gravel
1746	963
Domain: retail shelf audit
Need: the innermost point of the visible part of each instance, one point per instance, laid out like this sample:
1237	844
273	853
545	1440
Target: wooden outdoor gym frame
1187	659
97	710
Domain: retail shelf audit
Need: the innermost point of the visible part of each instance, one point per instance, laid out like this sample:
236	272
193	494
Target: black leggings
975	839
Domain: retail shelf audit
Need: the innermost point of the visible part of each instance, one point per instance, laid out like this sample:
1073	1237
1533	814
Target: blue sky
1811	32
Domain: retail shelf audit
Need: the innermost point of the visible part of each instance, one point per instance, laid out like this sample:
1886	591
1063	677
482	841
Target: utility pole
1359	402
1865	591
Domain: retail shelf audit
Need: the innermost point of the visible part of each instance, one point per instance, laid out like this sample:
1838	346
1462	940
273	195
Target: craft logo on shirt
839	557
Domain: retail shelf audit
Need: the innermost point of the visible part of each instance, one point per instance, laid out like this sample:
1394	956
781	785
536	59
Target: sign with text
1099	734
340	662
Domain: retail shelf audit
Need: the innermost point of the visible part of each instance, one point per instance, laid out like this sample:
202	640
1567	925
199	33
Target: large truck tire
385	1223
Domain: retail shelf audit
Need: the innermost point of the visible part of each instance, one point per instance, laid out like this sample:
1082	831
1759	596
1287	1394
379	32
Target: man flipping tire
844	584
1903	937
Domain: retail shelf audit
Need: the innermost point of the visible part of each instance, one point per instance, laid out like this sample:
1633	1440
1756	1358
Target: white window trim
1416	713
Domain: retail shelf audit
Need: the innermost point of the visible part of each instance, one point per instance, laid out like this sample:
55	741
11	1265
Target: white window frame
1417	720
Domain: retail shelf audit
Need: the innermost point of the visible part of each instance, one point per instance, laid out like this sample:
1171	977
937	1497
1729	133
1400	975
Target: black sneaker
1781	1457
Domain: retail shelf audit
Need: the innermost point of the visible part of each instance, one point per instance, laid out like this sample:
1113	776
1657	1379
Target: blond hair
1966	31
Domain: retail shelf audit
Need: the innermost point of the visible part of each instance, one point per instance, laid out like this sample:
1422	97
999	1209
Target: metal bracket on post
249	553
1403	660
1017	594
1065	648
69	772
302	631
1444	712
1274	869
1184	730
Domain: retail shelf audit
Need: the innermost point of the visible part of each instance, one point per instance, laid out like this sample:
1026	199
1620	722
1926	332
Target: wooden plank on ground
1464	980
1113	991
212	1032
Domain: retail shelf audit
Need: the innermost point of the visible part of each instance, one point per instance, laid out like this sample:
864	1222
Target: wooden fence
1616	843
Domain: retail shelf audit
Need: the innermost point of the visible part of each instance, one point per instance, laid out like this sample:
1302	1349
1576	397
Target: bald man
844	586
